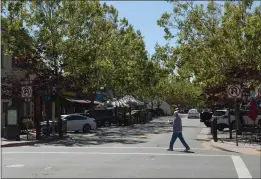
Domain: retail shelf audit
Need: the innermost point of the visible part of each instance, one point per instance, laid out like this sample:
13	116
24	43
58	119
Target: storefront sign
99	96
12	117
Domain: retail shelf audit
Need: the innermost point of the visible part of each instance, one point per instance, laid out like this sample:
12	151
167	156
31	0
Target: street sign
47	98
234	91
27	92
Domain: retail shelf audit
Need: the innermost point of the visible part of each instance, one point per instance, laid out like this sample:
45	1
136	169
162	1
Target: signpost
234	92
47	97
27	93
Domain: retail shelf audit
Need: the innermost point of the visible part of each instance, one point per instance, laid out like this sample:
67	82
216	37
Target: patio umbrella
252	114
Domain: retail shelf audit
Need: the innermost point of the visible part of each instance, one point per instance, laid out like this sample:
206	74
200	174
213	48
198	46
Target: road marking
117	147
104	153
14	166
241	168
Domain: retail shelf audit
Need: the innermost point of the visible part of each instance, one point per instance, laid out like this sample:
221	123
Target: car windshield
193	111
206	110
219	113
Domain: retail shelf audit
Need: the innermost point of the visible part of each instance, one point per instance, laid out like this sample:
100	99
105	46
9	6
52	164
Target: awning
78	101
126	101
82	101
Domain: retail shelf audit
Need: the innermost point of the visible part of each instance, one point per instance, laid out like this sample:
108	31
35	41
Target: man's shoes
169	149
187	149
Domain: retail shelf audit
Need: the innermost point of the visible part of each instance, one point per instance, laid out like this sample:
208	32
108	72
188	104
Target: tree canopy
87	46
83	43
216	44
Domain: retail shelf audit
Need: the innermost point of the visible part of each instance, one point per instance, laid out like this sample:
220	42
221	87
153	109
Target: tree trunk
130	116
124	115
93	96
158	103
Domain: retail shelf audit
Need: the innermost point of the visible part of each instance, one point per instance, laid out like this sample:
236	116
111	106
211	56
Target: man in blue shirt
177	133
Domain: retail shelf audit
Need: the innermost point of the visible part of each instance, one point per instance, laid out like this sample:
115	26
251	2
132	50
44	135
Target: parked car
160	111
153	112
223	122
193	113
77	123
102	117
205	116
222	119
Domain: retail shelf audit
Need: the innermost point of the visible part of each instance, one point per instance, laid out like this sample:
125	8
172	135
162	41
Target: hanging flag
252	114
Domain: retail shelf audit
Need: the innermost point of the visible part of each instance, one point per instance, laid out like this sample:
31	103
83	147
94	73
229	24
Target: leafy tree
101	49
215	47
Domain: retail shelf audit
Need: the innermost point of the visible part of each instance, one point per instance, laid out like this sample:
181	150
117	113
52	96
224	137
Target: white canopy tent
126	101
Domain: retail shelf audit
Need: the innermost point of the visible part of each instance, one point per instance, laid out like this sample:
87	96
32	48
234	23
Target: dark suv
102	117
205	116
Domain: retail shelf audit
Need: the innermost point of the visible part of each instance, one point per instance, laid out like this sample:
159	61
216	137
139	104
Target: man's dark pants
174	137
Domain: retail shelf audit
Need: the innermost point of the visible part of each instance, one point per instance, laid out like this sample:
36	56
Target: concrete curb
252	152
30	143
212	143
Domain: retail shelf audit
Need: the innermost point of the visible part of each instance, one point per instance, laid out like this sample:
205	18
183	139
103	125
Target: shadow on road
116	134
192	127
190	152
83	141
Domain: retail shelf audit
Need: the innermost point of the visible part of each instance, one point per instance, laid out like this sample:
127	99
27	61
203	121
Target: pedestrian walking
177	132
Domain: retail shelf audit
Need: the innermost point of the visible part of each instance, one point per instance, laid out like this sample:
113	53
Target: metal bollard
215	130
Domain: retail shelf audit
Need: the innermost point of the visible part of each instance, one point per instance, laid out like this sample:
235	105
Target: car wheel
86	128
220	128
107	123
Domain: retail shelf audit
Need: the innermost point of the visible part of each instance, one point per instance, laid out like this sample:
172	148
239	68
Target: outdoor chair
248	134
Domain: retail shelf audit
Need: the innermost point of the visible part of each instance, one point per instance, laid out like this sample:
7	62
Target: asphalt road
122	152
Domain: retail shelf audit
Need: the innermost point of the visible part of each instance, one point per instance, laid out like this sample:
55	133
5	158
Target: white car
222	119
79	123
193	113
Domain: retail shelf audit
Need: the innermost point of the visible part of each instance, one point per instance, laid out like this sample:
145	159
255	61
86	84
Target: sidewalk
24	142
229	145
252	149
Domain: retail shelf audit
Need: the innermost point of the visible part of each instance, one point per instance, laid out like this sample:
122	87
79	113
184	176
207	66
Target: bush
29	123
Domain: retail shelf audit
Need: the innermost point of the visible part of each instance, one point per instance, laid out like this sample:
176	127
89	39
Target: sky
143	15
